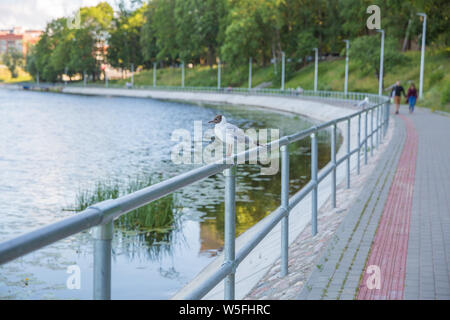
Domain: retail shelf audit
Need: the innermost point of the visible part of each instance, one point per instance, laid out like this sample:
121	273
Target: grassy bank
5	75
331	77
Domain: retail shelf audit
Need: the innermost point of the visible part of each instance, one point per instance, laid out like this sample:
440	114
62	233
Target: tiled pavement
428	260
400	224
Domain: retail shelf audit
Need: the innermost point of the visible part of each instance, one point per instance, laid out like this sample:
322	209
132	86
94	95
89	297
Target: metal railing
334	96
101	216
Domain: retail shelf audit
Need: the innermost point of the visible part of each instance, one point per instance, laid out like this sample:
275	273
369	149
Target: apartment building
18	39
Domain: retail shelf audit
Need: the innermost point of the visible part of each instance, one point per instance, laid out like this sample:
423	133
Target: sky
34	14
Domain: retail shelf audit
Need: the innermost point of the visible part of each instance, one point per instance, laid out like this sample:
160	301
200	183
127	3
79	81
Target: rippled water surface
53	146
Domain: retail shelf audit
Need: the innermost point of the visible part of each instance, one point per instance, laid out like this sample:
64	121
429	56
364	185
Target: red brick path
390	245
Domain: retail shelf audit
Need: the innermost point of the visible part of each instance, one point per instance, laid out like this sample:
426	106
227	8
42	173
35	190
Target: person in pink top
411	97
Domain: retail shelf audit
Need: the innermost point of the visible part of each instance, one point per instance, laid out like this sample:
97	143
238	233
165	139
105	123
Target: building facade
17	39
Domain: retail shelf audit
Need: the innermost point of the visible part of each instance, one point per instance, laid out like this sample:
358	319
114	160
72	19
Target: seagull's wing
233	133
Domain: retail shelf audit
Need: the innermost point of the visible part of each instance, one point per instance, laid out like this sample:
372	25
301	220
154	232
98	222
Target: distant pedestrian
411	97
397	93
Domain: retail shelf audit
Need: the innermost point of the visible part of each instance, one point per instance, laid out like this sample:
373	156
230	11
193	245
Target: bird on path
230	134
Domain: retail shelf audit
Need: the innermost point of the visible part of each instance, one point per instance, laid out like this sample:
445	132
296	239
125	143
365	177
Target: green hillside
331	77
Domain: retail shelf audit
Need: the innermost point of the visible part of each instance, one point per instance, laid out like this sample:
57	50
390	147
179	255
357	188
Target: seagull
229	133
363	103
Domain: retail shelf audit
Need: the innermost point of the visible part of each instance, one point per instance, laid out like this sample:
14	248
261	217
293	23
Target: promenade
394	242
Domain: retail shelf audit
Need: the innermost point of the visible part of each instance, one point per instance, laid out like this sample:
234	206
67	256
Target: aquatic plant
160	216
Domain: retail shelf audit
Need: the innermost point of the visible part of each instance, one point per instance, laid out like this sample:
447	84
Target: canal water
55	146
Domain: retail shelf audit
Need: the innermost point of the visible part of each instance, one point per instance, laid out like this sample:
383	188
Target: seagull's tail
261	145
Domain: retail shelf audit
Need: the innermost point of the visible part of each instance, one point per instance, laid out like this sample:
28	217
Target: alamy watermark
374	20
74	280
374	280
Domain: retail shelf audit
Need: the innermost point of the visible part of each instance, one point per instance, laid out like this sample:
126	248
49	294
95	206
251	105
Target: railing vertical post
229	250
285	206
378	127
365	137
388	113
358	159
333	162
348	153
102	261
314	180
381	123
371	132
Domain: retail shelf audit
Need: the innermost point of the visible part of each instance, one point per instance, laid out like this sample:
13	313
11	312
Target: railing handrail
259	91
102	214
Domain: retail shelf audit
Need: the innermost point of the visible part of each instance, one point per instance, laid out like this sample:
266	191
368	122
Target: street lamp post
182	74
250	73
218	75
283	66
380	81
347	45
132	74
316	67
154	74
422	57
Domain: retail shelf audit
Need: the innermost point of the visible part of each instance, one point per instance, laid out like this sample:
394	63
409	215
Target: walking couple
411	96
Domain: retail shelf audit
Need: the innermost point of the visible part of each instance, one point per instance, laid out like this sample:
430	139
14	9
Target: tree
13	59
366	51
125	39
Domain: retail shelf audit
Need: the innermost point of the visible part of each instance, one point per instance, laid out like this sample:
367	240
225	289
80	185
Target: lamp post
218	75
380	81
347	45
250	73
154	74
132	74
316	67
283	66
182	74
422	57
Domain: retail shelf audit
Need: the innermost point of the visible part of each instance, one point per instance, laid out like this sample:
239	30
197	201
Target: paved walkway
394	243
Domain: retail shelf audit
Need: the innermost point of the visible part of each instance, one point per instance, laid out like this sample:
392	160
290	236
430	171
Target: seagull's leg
229	149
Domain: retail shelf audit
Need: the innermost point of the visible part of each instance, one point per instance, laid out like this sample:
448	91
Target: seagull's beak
212	121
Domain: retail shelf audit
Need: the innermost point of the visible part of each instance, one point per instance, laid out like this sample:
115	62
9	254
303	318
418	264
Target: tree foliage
202	31
13	59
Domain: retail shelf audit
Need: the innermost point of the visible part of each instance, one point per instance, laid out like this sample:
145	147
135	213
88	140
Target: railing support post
365	137
285	206
387	111
358	159
314	180
333	162
102	261
371	132
229	250
377	141
348	154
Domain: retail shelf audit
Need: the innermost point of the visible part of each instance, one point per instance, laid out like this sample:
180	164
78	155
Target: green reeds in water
160	216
